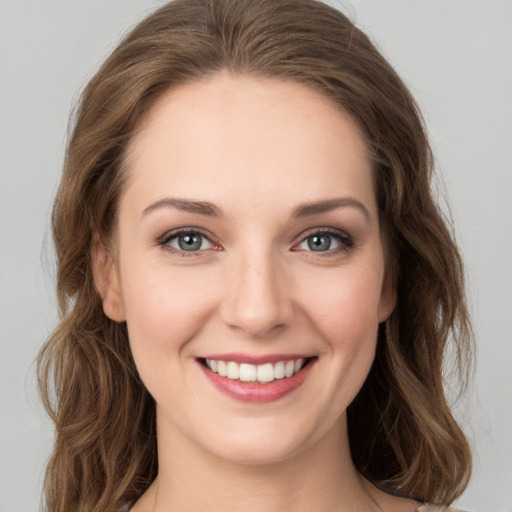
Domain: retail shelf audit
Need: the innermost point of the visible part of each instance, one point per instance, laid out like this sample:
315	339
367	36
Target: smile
262	373
261	380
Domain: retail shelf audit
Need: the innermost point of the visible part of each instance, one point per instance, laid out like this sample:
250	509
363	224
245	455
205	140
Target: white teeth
265	372
262	373
233	371
221	368
289	369
279	370
247	372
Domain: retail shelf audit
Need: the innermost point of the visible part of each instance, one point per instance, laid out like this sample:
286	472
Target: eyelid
346	241
164	240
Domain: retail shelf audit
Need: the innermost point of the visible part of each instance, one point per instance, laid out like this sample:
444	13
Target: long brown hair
402	433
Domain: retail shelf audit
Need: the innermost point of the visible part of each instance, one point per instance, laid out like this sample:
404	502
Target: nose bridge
257	300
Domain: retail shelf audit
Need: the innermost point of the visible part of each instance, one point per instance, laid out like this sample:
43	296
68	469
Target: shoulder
438	508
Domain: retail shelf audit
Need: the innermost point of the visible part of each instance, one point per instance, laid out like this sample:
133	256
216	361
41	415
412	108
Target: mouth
250	382
261	373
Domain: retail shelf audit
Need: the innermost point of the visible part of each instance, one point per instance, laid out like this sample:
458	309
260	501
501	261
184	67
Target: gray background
456	57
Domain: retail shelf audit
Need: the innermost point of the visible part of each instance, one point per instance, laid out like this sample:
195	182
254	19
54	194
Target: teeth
233	371
262	373
279	370
265	372
247	372
221	368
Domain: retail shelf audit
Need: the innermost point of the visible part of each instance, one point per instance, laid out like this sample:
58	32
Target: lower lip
255	392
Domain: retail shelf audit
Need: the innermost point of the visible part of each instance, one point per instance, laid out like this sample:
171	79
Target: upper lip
256	359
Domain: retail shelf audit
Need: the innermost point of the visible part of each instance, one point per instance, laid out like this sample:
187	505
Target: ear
106	280
388	298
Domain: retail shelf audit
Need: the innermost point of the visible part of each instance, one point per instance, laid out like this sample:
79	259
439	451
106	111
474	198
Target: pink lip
255	392
252	359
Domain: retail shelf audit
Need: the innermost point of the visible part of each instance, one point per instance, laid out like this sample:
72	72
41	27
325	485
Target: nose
257	300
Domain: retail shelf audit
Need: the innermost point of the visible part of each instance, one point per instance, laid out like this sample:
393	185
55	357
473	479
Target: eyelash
165	240
346	241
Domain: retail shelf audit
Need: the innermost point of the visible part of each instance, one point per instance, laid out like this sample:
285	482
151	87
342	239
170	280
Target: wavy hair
402	434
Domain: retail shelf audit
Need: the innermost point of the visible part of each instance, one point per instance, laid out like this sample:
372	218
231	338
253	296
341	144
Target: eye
186	241
326	241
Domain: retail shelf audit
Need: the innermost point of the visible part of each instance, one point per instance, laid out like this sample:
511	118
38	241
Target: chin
256	445
263	454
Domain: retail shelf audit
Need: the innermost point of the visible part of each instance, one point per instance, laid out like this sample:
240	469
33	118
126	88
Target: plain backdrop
456	57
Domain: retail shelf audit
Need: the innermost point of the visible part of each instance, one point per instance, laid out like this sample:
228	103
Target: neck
321	478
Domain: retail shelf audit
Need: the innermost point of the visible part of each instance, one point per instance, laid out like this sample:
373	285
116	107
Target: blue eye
325	241
320	242
189	241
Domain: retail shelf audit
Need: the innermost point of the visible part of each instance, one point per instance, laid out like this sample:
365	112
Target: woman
256	286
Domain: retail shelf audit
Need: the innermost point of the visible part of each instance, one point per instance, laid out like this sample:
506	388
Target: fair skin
248	232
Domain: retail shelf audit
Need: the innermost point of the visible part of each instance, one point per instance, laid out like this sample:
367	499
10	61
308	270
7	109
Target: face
248	266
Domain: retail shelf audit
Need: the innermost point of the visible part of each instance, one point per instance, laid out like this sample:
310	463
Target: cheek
345	314
344	306
164	309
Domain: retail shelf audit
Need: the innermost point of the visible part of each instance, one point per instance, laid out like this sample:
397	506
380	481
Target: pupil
189	242
319	243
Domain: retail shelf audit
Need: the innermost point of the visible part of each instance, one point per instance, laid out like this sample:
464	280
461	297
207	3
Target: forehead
241	136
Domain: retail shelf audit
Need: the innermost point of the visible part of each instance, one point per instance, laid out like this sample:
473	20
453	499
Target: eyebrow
319	207
302	210
186	205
